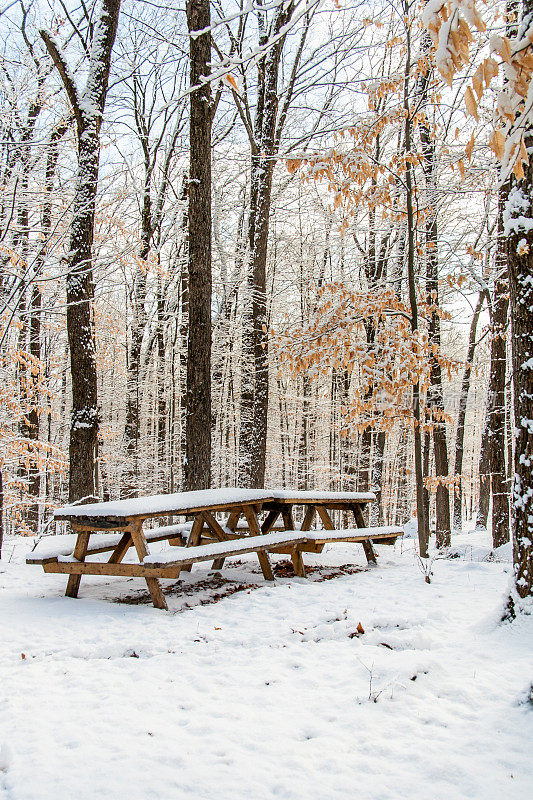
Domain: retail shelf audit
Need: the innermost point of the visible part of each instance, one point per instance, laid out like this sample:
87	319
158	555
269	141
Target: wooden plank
153	584
296	555
113	570
325	518
232	547
94	550
251	519
298	562
269	521
367	544
121	549
381	538
231	524
233	519
308	518
288	519
359	517
80	550
83	524
215	526
306	547
195	536
336	505
115	522
369	551
255	530
266	567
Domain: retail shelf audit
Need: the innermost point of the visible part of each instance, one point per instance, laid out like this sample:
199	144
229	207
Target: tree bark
463	402
423	532
484	476
33	432
520	266
198	411
435	400
254	393
496	401
88	109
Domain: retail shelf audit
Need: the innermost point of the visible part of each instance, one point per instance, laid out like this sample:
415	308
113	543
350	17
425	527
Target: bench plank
355	534
50	547
231	547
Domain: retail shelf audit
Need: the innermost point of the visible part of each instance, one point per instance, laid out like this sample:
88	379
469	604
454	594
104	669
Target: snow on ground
269	692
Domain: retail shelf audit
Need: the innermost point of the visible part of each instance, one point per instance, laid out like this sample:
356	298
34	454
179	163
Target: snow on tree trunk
519	227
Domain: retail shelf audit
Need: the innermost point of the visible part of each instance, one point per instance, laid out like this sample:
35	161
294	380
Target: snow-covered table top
188	502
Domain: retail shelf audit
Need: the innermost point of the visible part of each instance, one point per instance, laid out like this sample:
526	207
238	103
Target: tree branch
68	83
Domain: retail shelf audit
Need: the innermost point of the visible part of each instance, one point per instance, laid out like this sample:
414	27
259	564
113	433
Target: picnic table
117	526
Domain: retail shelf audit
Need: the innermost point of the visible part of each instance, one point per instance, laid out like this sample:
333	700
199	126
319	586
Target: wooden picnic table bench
117	526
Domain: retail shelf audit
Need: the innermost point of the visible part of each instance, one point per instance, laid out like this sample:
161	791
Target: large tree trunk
88	109
254	392
520	264
521	296
198	412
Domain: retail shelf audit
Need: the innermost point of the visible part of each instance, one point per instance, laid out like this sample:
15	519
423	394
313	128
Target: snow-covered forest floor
246	690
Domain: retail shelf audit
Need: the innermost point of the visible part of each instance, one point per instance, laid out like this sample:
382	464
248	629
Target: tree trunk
423	533
435	401
484	476
463	402
520	264
198	413
1	511
88	109
33	433
255	372
133	392
496	399
162	438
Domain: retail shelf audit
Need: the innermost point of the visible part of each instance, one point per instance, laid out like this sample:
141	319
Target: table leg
153	584
298	562
80	551
231	524
360	522
255	530
121	549
296	555
194	537
325	518
288	519
308	518
266	567
270	521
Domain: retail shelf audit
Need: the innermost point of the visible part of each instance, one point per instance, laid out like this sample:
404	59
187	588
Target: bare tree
87	107
198	408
